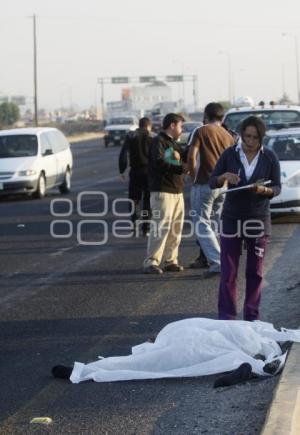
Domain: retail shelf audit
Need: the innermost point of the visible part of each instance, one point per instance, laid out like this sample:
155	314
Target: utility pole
297	61
229	75
195	91
101	80
36	122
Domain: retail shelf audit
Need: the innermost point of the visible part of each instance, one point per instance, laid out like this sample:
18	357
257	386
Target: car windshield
121	121
24	145
285	147
272	118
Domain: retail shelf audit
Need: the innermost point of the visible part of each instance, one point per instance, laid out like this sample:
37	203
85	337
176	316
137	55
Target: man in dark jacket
136	147
166	185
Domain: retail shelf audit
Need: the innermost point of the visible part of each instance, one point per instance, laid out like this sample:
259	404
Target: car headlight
294	181
27	173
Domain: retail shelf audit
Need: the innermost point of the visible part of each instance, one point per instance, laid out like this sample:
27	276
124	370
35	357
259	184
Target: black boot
62	372
200	262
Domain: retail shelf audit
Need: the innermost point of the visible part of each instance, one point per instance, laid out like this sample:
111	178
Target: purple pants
231	249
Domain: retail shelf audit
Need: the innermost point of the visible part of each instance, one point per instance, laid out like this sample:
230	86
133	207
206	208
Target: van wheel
65	187
41	187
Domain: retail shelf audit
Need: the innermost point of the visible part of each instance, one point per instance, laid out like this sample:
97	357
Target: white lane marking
61	251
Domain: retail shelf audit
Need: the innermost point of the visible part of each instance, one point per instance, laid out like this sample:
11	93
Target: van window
63	143
21	145
57	140
45	145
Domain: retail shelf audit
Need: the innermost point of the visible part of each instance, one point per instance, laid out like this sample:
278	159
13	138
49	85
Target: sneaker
173	267
199	263
154	270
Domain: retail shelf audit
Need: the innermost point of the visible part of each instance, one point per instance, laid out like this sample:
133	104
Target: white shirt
249	167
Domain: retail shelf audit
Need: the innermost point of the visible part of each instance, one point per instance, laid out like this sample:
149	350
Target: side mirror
48	152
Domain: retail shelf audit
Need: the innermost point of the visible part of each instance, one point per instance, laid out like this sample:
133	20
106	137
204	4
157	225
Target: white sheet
193	347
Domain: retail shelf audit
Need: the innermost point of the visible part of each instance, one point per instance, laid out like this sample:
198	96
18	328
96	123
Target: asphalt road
74	295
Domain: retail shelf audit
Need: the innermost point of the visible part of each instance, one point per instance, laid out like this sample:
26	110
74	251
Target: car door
49	164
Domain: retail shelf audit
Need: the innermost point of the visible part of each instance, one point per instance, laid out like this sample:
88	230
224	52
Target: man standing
207	143
166	185
136	146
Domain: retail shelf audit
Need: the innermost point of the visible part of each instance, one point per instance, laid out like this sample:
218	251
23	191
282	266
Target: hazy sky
78	42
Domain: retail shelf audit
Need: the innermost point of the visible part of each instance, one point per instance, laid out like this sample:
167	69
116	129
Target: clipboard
246	187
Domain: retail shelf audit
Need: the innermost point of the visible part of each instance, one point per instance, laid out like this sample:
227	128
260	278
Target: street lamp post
181	66
297	61
36	122
229	75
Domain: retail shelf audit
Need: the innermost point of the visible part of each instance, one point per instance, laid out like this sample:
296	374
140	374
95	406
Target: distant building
144	98
19	100
138	100
285	99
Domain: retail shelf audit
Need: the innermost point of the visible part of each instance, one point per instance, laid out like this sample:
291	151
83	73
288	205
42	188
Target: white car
274	116
187	129
286	144
33	160
116	130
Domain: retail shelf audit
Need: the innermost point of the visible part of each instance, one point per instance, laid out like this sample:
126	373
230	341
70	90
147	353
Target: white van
33	160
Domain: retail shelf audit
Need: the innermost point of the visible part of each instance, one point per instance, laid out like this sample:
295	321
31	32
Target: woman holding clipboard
245	216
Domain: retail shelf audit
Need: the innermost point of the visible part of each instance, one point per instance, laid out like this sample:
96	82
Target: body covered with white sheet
193	347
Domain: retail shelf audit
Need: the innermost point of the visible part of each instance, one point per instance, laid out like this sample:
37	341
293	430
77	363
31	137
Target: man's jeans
206	205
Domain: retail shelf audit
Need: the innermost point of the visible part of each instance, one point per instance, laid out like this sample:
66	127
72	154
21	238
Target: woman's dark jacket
246	204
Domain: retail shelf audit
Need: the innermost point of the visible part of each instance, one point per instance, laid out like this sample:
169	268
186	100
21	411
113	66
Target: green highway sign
116	80
147	79
174	78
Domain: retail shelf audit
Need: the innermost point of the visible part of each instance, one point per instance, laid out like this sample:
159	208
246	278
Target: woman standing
245	216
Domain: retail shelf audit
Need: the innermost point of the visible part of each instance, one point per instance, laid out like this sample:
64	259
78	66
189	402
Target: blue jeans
206	205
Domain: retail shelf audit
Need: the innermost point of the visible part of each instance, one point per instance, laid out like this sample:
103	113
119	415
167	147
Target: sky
80	42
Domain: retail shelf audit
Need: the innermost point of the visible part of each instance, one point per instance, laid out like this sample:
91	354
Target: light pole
235	75
297	61
181	65
36	122
229	74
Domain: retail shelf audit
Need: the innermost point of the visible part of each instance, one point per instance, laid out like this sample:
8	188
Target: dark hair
254	121
171	118
214	112
144	122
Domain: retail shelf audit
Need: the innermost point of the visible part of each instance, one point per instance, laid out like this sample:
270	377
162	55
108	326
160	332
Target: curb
283	417
83	137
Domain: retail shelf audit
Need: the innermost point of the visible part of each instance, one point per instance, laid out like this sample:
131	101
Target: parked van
33	160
